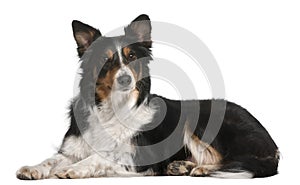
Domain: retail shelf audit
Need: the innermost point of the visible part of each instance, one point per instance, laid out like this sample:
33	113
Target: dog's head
114	65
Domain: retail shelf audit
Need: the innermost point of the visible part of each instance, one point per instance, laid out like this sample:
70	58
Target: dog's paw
180	168
30	173
71	173
200	172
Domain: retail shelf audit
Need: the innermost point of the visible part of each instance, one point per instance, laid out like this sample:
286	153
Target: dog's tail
248	167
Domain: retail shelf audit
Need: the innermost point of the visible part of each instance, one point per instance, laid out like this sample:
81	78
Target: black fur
88	33
242	141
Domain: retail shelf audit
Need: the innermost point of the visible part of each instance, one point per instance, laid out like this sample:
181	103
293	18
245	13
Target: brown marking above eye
109	53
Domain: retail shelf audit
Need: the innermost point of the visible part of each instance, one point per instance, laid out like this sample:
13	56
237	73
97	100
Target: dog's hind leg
207	159
248	166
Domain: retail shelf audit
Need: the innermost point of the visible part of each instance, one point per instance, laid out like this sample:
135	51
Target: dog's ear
84	35
140	28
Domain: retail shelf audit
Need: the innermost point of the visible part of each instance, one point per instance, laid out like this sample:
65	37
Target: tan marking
204	170
109	54
135	94
202	153
126	51
92	34
104	85
182	169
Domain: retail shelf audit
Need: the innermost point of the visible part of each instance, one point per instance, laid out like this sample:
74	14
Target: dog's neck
119	104
120	109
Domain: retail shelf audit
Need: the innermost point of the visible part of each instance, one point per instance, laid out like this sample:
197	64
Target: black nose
124	80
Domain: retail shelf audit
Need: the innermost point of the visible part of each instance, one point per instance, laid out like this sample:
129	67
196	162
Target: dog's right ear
84	35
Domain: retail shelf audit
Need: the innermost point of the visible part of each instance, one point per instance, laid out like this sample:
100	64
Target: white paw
30	173
71	173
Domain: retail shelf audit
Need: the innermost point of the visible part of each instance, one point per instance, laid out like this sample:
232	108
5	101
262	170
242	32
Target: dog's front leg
42	170
93	166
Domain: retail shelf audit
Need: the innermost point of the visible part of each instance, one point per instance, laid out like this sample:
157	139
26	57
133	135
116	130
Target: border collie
117	128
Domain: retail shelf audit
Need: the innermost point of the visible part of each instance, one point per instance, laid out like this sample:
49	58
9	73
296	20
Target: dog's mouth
127	89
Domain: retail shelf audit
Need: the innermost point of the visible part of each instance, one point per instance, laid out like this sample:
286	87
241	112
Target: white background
256	44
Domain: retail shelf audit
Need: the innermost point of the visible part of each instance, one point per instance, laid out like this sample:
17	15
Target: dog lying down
117	128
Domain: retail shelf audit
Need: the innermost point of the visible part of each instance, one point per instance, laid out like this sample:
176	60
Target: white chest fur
111	128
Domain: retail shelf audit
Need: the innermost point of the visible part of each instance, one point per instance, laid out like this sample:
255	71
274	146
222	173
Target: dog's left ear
140	28
84	35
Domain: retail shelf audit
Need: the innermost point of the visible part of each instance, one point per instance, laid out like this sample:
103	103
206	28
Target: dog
117	128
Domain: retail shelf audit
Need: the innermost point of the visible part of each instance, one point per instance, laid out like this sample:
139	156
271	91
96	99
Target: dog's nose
124	80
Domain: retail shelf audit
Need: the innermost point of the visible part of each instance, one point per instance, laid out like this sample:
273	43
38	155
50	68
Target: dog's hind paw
200	172
180	168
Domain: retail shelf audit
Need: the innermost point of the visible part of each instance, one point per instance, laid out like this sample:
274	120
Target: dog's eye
105	59
131	55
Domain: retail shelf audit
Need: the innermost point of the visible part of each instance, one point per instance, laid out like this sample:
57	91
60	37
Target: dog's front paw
71	173
30	173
